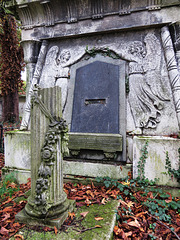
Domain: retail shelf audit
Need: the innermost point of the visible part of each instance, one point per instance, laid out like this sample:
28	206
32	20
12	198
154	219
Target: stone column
172	68
35	80
31	51
47	204
175	33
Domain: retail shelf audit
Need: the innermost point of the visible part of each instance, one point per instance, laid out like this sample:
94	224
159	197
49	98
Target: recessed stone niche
117	63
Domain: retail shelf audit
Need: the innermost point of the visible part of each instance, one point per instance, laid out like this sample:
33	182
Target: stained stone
49	140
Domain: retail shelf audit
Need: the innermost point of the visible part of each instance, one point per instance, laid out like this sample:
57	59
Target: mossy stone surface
105	232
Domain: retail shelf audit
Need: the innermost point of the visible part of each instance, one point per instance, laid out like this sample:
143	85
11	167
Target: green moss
107	212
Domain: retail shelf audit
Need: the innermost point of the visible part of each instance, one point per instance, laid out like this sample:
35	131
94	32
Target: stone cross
47	204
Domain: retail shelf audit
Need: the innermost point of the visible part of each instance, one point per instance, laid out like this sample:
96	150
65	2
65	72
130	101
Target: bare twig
87	229
164	225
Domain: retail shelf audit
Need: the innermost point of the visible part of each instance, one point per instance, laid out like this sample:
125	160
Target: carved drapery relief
147	94
55	72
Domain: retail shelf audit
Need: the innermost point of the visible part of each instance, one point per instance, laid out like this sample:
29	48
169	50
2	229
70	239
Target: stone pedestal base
56	221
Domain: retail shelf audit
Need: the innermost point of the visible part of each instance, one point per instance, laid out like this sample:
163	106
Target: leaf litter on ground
134	218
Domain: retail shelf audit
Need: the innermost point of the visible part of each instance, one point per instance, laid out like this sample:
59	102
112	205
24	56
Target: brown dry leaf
55	230
87	202
130	204
136	224
104	201
117	230
92	185
5	217
128	234
71	215
98	226
122	202
83	214
19	237
140	214
12	185
7	209
98	218
16	225
9	200
4	231
125	183
46	229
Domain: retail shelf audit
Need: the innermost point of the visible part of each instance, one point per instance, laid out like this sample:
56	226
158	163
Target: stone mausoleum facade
118	65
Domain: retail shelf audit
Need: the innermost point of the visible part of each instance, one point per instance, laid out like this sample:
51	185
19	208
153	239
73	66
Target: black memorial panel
96	99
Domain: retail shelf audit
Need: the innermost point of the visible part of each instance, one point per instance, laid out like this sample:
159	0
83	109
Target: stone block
156	160
17	155
17	149
95	141
88	169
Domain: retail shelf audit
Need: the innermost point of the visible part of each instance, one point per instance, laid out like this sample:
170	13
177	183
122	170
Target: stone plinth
17	154
156	161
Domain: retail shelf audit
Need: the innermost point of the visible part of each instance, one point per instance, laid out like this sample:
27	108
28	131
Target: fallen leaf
55	230
128	234
130	204
18	237
125	183
7	209
104	201
135	224
98	226
5	217
16	225
71	215
87	201
12	185
98	218
4	231
83	214
46	229
117	230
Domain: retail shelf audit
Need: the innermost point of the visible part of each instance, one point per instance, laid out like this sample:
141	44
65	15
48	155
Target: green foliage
106	52
171	171
6	188
157	205
142	161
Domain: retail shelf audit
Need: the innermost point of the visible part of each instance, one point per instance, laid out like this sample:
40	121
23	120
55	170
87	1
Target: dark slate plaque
96	99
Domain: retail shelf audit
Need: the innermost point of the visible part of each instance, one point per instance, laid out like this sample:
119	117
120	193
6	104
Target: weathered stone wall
62	37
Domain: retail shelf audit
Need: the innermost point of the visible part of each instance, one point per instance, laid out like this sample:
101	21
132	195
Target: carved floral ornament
58	131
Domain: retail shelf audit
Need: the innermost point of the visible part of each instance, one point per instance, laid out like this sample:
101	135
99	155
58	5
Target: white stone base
155	163
87	169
